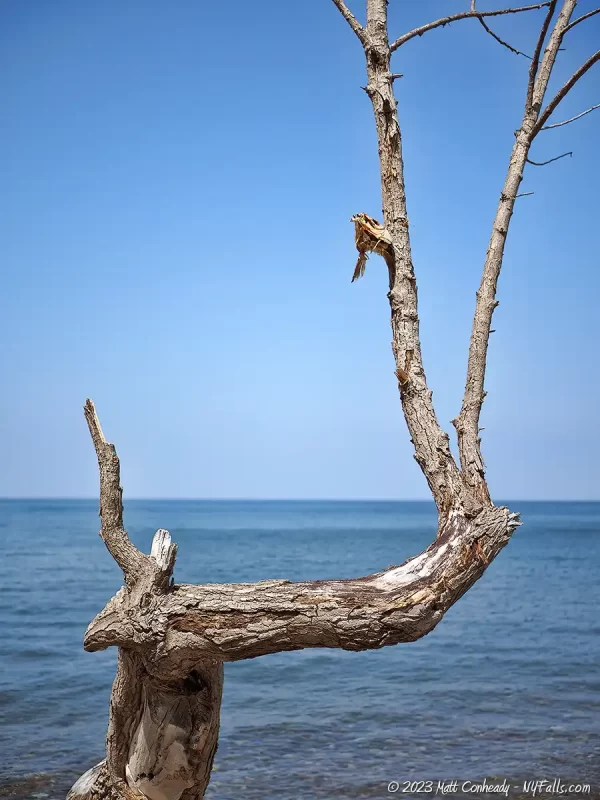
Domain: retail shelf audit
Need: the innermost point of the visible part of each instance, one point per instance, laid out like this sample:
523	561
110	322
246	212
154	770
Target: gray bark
431	443
173	640
467	422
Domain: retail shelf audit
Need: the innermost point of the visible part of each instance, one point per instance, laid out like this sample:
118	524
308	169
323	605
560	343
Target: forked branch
169	627
544	71
564	90
535	61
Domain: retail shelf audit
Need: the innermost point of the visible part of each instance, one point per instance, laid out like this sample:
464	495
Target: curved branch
351	20
501	41
455	17
581	19
572	119
563	91
113	534
550	160
238	621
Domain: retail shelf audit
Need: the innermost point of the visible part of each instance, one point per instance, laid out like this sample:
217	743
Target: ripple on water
507	684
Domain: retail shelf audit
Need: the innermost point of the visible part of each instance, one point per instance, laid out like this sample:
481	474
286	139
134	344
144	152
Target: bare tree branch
501	41
163	724
548	60
114	536
351	20
550	160
581	19
455	17
237	621
521	194
566	121
536	54
563	91
467	422
431	443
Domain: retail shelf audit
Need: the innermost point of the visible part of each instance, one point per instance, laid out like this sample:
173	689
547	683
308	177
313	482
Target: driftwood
173	639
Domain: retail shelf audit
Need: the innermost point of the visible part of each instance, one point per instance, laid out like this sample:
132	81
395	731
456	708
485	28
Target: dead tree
173	639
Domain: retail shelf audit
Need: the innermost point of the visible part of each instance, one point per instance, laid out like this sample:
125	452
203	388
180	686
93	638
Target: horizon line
293	499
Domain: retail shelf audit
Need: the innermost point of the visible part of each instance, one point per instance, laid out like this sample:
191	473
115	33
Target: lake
508	685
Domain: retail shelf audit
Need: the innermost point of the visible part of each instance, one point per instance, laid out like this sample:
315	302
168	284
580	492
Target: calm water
507	685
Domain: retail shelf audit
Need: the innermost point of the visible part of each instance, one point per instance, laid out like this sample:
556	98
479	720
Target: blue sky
178	181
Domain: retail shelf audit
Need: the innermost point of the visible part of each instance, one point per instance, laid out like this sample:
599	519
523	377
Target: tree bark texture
431	443
173	639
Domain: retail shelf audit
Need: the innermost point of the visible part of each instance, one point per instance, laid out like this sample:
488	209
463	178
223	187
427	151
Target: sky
178	181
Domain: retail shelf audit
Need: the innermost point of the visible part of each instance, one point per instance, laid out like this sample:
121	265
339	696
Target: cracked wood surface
173	639
229	622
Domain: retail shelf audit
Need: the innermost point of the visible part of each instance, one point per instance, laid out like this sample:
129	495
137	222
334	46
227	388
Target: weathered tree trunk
164	717
173	640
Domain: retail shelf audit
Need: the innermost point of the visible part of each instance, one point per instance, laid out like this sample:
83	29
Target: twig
351	20
563	91
501	41
535	61
522	194
114	536
454	17
550	160
566	121
581	18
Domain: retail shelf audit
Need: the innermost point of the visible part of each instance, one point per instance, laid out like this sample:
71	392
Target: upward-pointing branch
351	20
114	536
467	422
564	90
454	18
581	18
571	119
535	61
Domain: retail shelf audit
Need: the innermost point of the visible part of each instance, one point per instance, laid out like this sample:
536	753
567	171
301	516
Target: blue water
508	684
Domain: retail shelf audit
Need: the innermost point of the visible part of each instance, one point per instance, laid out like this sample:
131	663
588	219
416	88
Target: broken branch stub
370	236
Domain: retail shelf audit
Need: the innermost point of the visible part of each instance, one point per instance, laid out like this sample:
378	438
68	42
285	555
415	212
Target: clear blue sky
178	179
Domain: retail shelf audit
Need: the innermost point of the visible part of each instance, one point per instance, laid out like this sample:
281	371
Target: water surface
507	685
